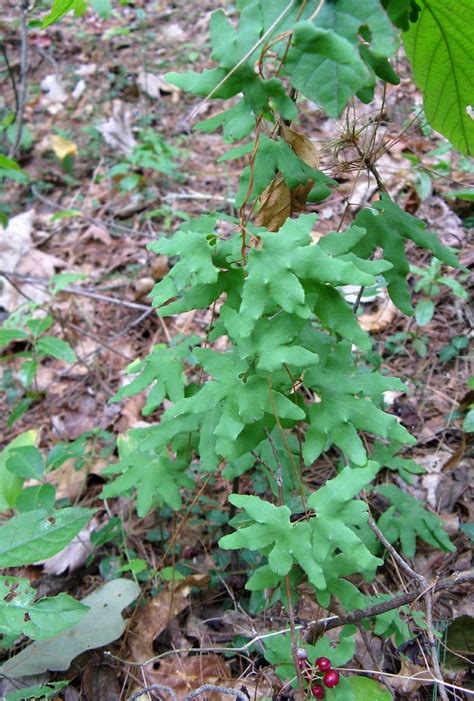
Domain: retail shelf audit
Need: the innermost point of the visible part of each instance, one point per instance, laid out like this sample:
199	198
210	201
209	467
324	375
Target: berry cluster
321	671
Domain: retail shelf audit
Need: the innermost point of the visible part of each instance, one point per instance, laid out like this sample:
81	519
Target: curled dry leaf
380	319
117	131
155	86
62	147
159	267
68	481
275	205
278	201
302	146
411	678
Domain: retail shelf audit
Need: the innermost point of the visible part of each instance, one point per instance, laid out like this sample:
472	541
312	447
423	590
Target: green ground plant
294	380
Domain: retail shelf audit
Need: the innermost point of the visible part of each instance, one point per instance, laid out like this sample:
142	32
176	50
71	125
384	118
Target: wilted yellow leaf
62	147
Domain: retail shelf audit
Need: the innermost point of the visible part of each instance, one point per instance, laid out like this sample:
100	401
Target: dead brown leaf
158	612
275	205
277	201
69	482
411	678
100	681
97	233
184	674
302	146
380	319
159	267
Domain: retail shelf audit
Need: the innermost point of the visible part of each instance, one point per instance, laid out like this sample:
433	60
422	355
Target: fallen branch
316	629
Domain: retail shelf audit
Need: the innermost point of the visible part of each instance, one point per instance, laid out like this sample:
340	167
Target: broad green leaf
401	12
37	535
279	268
276	156
36	692
406	520
229	45
40	496
366	19
459	644
103	8
8	164
56	348
20	614
424	311
60	281
101	625
325	67
439	46
26	461
9	335
386	456
468	425
11	484
61	8
337	544
365	688
195	246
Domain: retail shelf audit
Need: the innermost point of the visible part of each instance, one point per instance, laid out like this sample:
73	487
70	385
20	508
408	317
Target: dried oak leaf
278	201
158	612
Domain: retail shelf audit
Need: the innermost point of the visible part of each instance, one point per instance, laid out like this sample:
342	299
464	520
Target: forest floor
96	94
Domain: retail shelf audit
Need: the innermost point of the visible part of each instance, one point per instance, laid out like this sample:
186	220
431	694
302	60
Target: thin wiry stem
23	73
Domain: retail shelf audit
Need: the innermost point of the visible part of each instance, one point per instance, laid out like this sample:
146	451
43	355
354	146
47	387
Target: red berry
331	678
323	663
301	653
318	692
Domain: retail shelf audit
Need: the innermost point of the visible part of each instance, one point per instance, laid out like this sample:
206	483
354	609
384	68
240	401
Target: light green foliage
276	156
386	456
46	691
439	47
388	229
365	688
25	326
196	243
152	153
21	615
406	519
314	543
345	406
162	370
62	7
11	482
37	535
155	476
